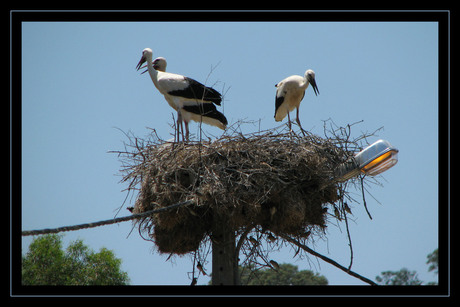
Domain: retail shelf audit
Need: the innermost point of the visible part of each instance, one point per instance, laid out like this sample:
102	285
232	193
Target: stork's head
147	54
310	76
160	64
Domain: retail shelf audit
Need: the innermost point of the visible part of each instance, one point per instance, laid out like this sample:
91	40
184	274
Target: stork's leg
298	121
176	129
186	131
180	128
289	123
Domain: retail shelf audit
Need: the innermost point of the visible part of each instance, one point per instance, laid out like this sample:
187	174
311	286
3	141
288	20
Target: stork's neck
153	73
305	83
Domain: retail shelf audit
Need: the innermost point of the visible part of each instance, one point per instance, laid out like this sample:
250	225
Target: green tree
433	261
434	265
286	274
397	278
46	263
406	277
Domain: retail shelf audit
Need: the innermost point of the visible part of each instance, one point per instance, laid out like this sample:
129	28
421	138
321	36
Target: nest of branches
279	182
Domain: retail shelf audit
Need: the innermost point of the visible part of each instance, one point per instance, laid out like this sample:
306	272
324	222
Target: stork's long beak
138	66
314	86
144	70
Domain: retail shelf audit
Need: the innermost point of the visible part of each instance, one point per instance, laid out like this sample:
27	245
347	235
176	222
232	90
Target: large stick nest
280	181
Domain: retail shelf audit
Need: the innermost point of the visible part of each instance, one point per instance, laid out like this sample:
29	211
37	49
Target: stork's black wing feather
196	90
208	110
278	102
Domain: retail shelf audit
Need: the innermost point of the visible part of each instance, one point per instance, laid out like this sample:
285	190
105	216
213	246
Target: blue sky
79	84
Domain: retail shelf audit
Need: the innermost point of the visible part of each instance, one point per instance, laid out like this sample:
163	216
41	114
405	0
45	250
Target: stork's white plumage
191	99
289	94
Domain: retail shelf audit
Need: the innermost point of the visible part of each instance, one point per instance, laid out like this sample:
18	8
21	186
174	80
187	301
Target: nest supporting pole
223	253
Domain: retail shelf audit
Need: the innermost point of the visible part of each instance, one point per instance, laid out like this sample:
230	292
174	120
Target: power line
328	260
104	222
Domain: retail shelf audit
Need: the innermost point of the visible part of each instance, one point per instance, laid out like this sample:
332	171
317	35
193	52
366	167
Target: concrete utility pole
223	253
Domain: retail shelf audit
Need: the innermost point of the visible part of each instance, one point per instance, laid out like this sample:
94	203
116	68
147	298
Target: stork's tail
206	113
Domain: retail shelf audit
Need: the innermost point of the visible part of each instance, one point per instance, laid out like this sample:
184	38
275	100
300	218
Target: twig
237	253
364	197
241	240
349	239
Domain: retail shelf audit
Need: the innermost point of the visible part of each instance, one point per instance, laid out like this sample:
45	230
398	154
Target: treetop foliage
46	263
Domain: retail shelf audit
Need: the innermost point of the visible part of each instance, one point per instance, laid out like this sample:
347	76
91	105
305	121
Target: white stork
289	94
191	99
159	64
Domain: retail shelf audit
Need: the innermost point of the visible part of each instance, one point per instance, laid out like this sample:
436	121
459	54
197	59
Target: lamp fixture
372	160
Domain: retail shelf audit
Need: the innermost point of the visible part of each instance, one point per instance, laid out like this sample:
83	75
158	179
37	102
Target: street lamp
372	160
